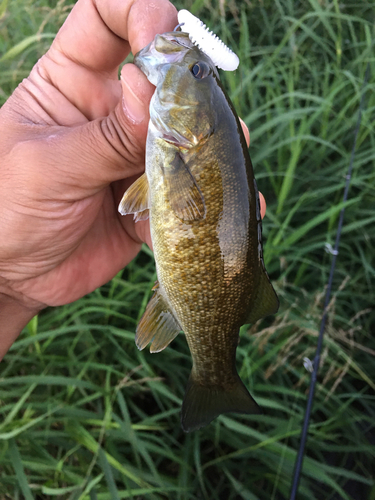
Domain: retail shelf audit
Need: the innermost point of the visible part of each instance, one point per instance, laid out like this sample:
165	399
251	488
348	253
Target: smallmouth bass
201	197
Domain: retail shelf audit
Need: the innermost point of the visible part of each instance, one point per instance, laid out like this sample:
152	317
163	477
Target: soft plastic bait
208	42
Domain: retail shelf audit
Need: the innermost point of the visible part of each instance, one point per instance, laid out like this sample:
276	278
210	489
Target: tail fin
204	403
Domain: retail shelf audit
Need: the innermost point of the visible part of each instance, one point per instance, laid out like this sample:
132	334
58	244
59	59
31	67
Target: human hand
262	200
71	133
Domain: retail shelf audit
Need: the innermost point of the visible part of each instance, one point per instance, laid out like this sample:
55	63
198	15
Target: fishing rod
334	252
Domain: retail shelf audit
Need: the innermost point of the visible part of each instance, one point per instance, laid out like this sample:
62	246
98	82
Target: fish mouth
165	49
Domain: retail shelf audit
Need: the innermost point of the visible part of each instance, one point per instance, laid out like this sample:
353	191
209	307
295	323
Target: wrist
15	313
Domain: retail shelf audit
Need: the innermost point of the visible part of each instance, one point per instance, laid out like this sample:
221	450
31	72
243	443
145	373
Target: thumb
92	155
136	94
117	141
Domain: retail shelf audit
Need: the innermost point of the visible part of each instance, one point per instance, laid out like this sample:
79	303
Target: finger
83	61
84	159
98	34
262	200
139	231
263	205
245	131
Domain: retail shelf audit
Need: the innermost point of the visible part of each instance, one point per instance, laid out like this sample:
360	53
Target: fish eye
200	70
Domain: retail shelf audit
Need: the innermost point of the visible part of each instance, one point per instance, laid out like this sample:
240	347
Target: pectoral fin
136	200
266	301
157	325
144	215
183	193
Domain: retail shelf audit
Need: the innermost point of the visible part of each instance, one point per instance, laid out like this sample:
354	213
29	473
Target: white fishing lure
208	42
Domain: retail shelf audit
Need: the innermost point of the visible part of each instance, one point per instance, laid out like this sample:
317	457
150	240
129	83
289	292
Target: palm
87	241
86	247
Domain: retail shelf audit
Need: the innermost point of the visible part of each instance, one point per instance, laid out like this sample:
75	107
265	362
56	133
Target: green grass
85	415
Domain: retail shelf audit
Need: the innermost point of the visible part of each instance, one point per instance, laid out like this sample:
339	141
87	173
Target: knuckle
126	140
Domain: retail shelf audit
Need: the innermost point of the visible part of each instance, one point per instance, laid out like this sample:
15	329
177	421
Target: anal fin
157	325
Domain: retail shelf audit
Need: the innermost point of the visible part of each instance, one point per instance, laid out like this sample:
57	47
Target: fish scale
205	225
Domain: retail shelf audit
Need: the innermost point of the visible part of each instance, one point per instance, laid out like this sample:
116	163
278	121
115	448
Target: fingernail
263	205
245	131
134	108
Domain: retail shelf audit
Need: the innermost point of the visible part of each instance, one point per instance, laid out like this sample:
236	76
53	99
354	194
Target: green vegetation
85	415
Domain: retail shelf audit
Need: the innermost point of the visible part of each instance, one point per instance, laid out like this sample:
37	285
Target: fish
201	197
